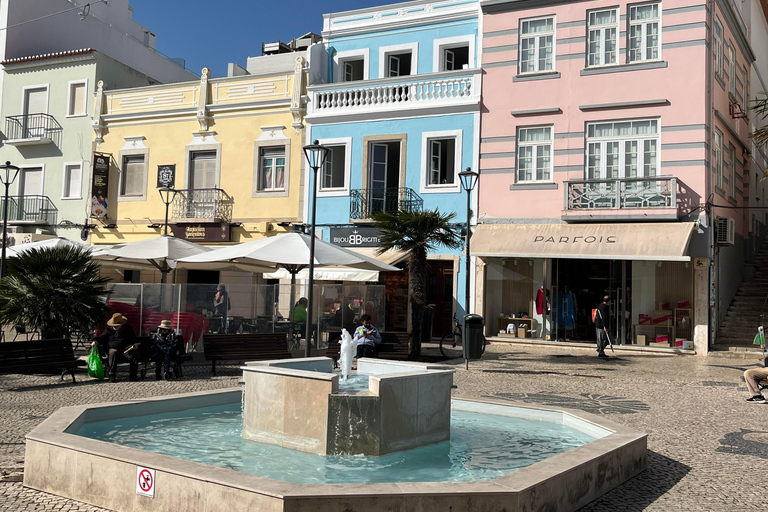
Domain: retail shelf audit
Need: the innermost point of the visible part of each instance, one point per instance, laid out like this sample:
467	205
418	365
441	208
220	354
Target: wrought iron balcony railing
202	204
624	193
32	129
364	203
30	210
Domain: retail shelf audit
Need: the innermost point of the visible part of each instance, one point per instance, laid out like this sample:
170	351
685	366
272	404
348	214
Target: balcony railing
202	204
390	93
620	194
32	129
364	203
30	210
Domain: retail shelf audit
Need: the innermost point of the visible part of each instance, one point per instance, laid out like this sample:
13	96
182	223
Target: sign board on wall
100	185
202	232
145	482
166	176
355	237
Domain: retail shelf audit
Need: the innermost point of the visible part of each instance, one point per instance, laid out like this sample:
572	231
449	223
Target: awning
342	273
651	241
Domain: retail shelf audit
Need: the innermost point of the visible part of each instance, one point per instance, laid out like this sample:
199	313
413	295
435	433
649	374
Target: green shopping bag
95	369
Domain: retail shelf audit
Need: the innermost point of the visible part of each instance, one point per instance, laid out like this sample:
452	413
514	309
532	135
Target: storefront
542	281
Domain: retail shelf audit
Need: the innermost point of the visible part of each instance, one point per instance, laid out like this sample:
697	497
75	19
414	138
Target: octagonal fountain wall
62	461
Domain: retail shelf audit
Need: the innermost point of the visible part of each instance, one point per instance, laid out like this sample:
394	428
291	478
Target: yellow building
232	146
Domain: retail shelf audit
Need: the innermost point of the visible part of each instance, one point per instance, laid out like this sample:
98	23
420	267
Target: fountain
399	443
346	354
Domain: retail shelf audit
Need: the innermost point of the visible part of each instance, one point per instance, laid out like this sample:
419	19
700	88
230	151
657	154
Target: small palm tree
53	291
417	233
760	107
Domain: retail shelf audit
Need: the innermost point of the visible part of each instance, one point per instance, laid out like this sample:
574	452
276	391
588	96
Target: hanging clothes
540	301
567	308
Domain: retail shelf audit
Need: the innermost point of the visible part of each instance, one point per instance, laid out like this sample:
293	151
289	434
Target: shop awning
651	241
344	274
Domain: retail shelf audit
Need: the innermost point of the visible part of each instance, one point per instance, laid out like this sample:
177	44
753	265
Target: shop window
601	43
644	32
537	45
534	153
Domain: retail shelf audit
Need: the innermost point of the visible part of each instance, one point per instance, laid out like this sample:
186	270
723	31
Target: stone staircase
737	331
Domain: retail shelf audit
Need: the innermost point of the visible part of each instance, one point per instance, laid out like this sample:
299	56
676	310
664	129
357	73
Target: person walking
602	320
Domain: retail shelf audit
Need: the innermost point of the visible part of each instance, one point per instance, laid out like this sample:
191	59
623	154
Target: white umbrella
44	244
291	252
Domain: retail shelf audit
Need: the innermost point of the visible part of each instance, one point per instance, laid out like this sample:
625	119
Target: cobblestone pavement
708	448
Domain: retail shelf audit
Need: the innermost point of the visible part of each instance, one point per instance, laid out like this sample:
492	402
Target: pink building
615	160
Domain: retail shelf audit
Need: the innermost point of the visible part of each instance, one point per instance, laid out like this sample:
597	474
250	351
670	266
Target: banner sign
100	185
166	176
355	237
202	232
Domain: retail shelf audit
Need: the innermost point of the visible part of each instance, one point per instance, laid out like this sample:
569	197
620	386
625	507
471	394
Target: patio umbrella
49	243
291	252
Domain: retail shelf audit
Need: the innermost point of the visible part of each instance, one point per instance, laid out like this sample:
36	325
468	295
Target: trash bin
474	337
427	319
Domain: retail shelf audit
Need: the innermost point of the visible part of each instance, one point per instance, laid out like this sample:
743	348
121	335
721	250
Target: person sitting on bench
165	350
367	337
118	337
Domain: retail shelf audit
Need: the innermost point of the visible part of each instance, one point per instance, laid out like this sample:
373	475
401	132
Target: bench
394	346
34	356
244	347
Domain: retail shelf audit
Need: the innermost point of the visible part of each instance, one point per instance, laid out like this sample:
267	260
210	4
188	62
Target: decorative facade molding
98	109
298	86
202	101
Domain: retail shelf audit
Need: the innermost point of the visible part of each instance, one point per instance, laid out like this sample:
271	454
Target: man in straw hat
118	337
165	350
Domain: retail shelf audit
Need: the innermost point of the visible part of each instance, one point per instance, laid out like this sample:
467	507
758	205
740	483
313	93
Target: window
623	149
399	64
537	45
744	92
534	154
133	178
334	171
731	71
202	170
601	50
77	99
718	49
442	162
31	181
73	181
271	169
353	69
717	158
731	170
455	58
644	24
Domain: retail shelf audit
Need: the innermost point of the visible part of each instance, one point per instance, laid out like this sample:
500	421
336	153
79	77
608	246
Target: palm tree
417	233
53	291
760	107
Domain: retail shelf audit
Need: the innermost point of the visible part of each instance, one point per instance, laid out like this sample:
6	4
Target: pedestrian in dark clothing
117	339
221	306
602	317
165	350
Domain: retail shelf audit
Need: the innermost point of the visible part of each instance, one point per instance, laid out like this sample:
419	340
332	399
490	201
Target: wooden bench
394	346
35	356
245	347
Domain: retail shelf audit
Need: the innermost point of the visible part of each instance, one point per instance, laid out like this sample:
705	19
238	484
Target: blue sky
211	34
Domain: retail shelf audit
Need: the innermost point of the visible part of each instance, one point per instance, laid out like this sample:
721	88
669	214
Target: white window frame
601	29
717	149
426	137
201	143
272	136
69	98
133	146
536	145
537	36
339	58
65	180
644	35
731	170
718	49
273	190
439	47
338	191
24	90
731	71
385	51
20	179
622	141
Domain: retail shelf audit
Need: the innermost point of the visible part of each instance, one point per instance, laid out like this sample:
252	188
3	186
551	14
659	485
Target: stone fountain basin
104	474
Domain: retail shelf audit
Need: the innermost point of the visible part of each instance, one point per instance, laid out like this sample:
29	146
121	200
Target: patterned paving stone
704	440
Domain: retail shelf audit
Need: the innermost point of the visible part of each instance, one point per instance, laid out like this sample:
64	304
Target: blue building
397	99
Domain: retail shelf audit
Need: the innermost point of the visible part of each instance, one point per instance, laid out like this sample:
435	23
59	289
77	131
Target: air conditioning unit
725	231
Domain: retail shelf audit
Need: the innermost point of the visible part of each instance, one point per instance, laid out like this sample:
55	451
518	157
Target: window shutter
77	100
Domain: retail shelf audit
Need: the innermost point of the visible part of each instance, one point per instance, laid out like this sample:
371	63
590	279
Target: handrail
30	209
621	193
31	126
364	203
202	203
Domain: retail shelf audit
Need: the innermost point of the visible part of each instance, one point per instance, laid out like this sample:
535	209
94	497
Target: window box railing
32	129
30	210
202	204
620	194
363	203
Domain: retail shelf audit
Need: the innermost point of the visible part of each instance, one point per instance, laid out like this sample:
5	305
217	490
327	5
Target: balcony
32	129
366	202
30	210
202	205
654	198
447	89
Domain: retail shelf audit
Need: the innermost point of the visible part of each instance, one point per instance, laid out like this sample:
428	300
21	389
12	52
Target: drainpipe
710	189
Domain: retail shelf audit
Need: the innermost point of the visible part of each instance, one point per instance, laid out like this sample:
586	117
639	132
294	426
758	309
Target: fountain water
346	354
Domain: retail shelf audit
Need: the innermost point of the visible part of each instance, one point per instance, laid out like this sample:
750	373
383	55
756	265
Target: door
35	102
378	181
440	295
30	193
203	176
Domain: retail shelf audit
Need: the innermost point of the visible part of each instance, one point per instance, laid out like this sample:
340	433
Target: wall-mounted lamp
111	225
284	224
235	224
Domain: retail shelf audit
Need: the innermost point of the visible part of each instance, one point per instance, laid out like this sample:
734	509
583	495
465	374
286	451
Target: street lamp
468	182
8	176
167	194
316	155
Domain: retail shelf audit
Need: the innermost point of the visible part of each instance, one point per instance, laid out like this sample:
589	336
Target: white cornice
396	16
393	80
455	107
49	63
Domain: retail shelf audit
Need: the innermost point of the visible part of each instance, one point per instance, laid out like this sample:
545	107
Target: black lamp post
468	182
316	155
167	195
8	176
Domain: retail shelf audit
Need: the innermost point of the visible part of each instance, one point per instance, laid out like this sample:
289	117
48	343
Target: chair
20	329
